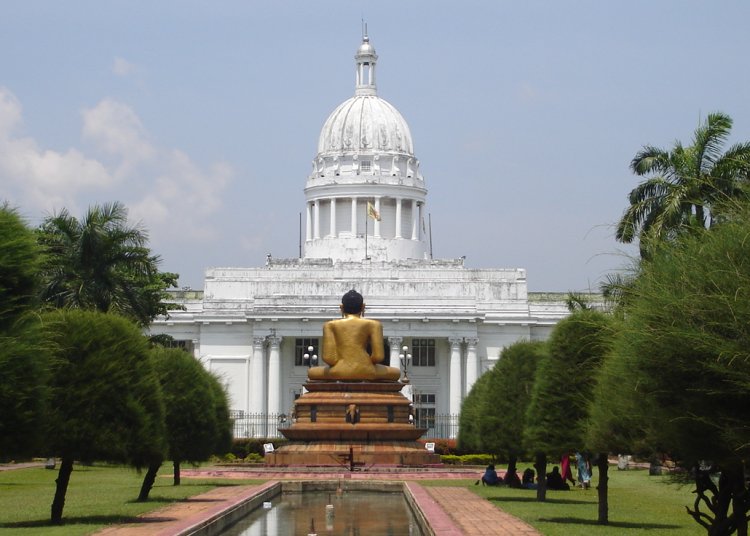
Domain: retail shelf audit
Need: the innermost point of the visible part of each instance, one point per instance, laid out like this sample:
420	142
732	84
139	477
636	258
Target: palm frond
709	139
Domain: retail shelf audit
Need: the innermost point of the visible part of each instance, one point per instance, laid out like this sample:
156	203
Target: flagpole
366	216
429	217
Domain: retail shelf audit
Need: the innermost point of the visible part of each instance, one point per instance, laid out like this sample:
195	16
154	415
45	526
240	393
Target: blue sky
203	117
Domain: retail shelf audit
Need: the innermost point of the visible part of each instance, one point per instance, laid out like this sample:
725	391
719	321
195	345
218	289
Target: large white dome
365	124
365	194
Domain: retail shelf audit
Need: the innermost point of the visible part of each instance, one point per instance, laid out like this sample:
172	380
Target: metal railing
443	426
267	425
259	424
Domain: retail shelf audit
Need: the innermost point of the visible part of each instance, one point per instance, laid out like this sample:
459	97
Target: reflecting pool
362	513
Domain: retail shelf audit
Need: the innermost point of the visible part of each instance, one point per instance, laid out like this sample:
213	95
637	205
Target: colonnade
265	381
314	219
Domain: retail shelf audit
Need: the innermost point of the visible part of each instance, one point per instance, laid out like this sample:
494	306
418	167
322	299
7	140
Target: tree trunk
176	465
63	478
511	476
602	464
541	473
148	481
736	483
731	492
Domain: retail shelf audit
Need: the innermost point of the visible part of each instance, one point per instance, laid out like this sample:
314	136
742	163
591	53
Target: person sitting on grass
555	481
527	480
490	477
511	479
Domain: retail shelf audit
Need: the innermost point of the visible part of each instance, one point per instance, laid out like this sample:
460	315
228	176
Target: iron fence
267	425
259	424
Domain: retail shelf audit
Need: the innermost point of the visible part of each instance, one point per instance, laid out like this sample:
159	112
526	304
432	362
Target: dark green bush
468	459
242	447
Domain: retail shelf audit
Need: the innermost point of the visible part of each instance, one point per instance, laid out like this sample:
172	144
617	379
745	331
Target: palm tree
686	185
103	263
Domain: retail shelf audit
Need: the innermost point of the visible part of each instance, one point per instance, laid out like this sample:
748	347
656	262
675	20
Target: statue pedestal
352	424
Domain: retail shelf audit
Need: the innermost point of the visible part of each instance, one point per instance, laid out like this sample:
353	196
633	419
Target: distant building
366	229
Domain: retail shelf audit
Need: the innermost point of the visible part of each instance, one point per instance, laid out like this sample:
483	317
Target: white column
420	219
308	233
316	218
376	227
395	344
354	216
472	363
257	377
197	349
333	217
248	383
454	407
274	376
398	218
414	220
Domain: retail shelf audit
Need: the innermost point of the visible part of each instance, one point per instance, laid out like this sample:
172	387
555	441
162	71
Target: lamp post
405	358
408	389
309	358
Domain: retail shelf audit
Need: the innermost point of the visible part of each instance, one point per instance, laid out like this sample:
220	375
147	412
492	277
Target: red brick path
477	516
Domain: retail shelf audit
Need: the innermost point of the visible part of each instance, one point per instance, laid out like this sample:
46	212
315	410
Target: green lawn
98	495
638	504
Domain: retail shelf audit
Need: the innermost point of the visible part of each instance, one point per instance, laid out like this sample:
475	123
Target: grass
638	504
98	495
101	495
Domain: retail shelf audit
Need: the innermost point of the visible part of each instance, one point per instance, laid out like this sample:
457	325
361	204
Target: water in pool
355	513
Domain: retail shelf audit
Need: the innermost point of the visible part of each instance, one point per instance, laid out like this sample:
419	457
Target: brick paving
476	516
184	516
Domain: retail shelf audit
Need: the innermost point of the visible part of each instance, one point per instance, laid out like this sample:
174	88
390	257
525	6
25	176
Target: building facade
365	230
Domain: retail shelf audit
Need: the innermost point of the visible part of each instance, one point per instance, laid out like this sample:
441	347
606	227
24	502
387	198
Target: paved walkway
184	516
13	466
476	516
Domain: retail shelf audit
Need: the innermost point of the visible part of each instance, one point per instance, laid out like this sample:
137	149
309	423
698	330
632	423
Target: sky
203	117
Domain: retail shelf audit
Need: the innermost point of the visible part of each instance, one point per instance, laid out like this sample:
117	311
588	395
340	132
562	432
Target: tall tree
225	431
503	408
472	407
685	344
106	401
558	410
20	263
102	262
195	425
23	356
685	185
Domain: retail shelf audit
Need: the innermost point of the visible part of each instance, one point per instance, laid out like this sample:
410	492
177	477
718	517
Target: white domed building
365	156
366	230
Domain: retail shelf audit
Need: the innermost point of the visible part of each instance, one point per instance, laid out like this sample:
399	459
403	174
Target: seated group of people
555	480
491	478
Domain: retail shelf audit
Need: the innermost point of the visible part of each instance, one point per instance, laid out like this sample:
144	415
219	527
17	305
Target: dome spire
366	59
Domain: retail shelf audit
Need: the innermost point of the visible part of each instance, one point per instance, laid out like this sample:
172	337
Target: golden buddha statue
353	346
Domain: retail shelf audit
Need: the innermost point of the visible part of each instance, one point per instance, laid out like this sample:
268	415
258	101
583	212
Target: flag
374	214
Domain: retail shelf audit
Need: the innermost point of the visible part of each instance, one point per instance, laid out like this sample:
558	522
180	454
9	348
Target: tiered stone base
352	424
353	454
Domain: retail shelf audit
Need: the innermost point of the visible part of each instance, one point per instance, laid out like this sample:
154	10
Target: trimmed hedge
242	447
468	459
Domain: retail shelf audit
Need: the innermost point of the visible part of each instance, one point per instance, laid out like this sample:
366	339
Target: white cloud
182	198
10	112
44	179
116	129
164	188
528	93
122	67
